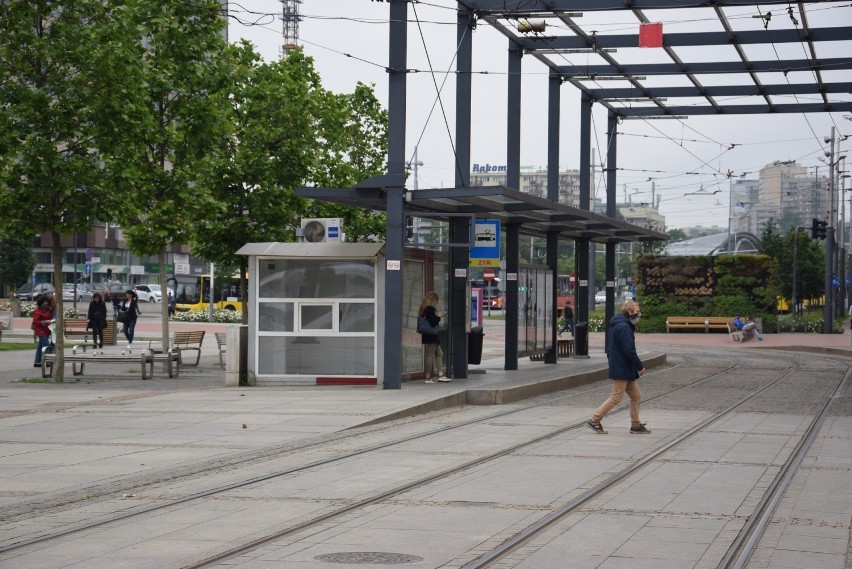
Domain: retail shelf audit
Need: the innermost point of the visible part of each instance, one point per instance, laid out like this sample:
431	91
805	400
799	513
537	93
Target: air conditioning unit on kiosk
322	230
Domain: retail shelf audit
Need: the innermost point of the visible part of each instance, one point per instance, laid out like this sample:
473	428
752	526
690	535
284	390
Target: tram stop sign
488	274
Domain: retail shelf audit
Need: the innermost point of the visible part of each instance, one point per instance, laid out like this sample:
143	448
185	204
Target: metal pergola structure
722	57
765	57
681	82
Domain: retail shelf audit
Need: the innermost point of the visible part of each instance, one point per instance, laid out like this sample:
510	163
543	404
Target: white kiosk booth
314	313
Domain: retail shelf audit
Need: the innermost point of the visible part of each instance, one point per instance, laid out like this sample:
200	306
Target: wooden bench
76	328
182	342
79	358
222	343
705	323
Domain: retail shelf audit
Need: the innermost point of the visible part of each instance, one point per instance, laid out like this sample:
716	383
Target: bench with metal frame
182	342
222	344
79	358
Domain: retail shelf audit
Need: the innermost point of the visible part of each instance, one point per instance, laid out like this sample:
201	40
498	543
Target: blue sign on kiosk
486	239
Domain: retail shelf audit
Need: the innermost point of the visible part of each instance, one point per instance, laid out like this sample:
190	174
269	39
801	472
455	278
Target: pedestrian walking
97	317
625	368
127	316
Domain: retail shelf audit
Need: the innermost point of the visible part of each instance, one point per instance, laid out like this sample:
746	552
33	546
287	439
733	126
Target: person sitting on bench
746	325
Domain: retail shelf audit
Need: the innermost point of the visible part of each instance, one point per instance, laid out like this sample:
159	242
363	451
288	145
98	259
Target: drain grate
368	558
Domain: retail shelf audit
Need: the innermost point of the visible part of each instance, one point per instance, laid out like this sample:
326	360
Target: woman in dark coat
130	308
432	344
97	319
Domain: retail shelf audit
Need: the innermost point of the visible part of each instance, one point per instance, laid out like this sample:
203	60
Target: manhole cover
368	558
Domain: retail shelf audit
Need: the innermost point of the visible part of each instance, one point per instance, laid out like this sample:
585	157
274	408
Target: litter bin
474	345
581	339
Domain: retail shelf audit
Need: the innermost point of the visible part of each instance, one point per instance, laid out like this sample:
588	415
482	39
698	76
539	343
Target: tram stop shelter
719	69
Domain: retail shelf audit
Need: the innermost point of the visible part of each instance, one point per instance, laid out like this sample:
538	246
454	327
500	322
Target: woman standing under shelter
432	344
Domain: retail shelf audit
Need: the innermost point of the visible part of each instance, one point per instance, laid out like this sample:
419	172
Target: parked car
29	292
79	292
157	291
111	289
148	293
600	297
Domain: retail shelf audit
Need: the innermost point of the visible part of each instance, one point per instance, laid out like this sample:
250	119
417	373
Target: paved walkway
57	439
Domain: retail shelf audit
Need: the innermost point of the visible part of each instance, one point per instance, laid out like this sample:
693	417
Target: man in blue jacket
625	368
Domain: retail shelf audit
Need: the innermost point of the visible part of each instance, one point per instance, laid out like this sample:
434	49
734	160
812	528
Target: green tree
677	234
17	261
287	131
59	60
799	248
176	111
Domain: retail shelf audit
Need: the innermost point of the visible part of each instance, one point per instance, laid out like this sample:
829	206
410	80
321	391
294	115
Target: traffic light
818	228
409	228
109	273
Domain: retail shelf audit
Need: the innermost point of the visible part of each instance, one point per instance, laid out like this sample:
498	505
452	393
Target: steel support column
460	228
513	232
397	64
611	180
513	180
554	93
585	264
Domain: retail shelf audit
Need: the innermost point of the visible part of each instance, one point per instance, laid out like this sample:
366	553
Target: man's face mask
635	317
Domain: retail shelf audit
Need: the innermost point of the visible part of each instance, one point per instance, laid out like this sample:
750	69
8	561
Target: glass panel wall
310	308
413	277
535	296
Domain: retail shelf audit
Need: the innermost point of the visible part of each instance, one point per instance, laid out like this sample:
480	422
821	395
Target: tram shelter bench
705	323
182	342
564	349
78	361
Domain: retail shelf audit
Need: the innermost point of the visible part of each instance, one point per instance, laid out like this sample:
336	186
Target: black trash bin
581	339
474	345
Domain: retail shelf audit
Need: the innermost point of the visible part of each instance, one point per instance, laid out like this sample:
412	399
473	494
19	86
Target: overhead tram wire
438	100
786	75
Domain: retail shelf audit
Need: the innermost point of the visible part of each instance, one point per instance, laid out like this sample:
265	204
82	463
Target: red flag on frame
651	35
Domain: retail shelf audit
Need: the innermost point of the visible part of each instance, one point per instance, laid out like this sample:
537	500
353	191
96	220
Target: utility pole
413	166
828	306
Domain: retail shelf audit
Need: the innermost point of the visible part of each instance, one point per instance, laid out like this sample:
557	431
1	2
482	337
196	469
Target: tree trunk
59	326
164	303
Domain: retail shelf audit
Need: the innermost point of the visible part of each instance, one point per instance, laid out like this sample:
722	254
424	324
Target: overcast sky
349	41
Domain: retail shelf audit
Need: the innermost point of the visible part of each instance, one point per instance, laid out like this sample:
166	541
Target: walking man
625	368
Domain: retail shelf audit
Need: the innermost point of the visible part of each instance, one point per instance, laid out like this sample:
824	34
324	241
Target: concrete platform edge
510	394
500	396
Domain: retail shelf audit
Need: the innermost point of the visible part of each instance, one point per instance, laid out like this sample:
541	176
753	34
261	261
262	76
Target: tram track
426	480
148	509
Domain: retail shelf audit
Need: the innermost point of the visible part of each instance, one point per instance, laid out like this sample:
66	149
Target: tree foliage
175	118
796	250
59	60
17	261
286	132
